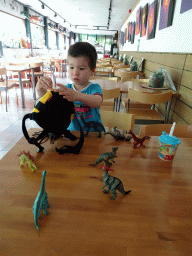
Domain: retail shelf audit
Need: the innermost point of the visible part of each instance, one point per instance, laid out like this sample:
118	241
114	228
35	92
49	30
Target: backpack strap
34	141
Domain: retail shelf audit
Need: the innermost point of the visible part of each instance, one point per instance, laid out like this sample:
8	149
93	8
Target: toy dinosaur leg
87	132
22	162
114	194
107	190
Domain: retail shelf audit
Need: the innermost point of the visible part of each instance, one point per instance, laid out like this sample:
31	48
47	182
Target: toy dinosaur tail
96	162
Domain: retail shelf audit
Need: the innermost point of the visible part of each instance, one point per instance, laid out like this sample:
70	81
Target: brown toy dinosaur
138	141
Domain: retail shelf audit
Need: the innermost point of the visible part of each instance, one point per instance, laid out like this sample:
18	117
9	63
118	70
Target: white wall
176	38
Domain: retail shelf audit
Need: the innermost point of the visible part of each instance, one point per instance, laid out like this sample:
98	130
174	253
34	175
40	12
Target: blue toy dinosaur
112	183
106	157
97	126
41	202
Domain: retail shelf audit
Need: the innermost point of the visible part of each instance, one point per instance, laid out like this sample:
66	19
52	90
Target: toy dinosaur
105	157
138	141
25	157
98	127
41	202
112	183
118	135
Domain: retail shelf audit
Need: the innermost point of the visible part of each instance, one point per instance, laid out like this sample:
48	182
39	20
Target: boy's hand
45	83
69	94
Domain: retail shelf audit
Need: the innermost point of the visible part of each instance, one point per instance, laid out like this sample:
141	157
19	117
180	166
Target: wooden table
154	219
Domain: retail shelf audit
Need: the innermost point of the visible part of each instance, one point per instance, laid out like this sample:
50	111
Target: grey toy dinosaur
112	183
118	135
41	202
105	157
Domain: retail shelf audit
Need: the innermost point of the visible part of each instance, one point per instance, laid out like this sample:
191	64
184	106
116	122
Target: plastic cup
168	146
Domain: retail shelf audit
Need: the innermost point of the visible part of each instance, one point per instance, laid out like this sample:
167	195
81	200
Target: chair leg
1	101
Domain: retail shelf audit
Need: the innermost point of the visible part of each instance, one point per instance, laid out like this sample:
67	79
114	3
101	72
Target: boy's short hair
84	49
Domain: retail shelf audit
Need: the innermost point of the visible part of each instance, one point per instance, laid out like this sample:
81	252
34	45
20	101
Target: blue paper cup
168	146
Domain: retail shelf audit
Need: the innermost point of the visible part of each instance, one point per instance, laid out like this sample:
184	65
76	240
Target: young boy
87	97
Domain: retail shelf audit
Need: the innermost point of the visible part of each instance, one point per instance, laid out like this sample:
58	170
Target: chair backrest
149	98
17	64
111	93
121	120
141	64
126	76
103	65
180	131
3	71
121	67
104	77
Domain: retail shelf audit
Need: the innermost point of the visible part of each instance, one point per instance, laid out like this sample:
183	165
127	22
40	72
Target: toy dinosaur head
146	137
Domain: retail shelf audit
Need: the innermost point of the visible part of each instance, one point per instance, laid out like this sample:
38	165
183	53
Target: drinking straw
172	129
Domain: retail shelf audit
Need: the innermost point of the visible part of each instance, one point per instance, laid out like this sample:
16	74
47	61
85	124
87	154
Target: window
52	39
61	42
12	30
37	35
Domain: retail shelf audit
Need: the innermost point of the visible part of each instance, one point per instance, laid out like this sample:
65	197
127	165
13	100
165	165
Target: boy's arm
93	101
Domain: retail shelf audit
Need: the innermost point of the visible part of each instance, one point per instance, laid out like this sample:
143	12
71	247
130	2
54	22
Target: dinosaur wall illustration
113	184
27	158
105	157
41	202
138	141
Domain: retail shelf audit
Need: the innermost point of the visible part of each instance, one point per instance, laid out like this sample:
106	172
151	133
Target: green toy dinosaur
112	183
25	157
41	202
105	157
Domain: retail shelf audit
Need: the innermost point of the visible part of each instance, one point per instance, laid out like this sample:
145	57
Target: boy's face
79	70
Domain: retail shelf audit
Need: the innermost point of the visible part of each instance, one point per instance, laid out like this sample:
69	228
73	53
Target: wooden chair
121	120
104	78
111	99
180	131
149	116
40	73
120	66
5	85
13	76
127	76
103	65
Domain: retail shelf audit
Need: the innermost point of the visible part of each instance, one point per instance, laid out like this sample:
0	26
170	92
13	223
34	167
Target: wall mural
185	5
144	14
133	32
166	14
138	21
130	31
122	38
152	19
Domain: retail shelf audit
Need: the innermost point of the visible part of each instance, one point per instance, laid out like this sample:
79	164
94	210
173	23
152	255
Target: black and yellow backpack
53	113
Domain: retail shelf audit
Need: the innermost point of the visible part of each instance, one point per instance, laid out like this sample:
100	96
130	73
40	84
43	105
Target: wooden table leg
33	83
22	92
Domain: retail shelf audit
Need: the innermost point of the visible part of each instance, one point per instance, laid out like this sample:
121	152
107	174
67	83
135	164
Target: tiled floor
11	121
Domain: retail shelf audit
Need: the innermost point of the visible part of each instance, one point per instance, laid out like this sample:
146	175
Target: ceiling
93	14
